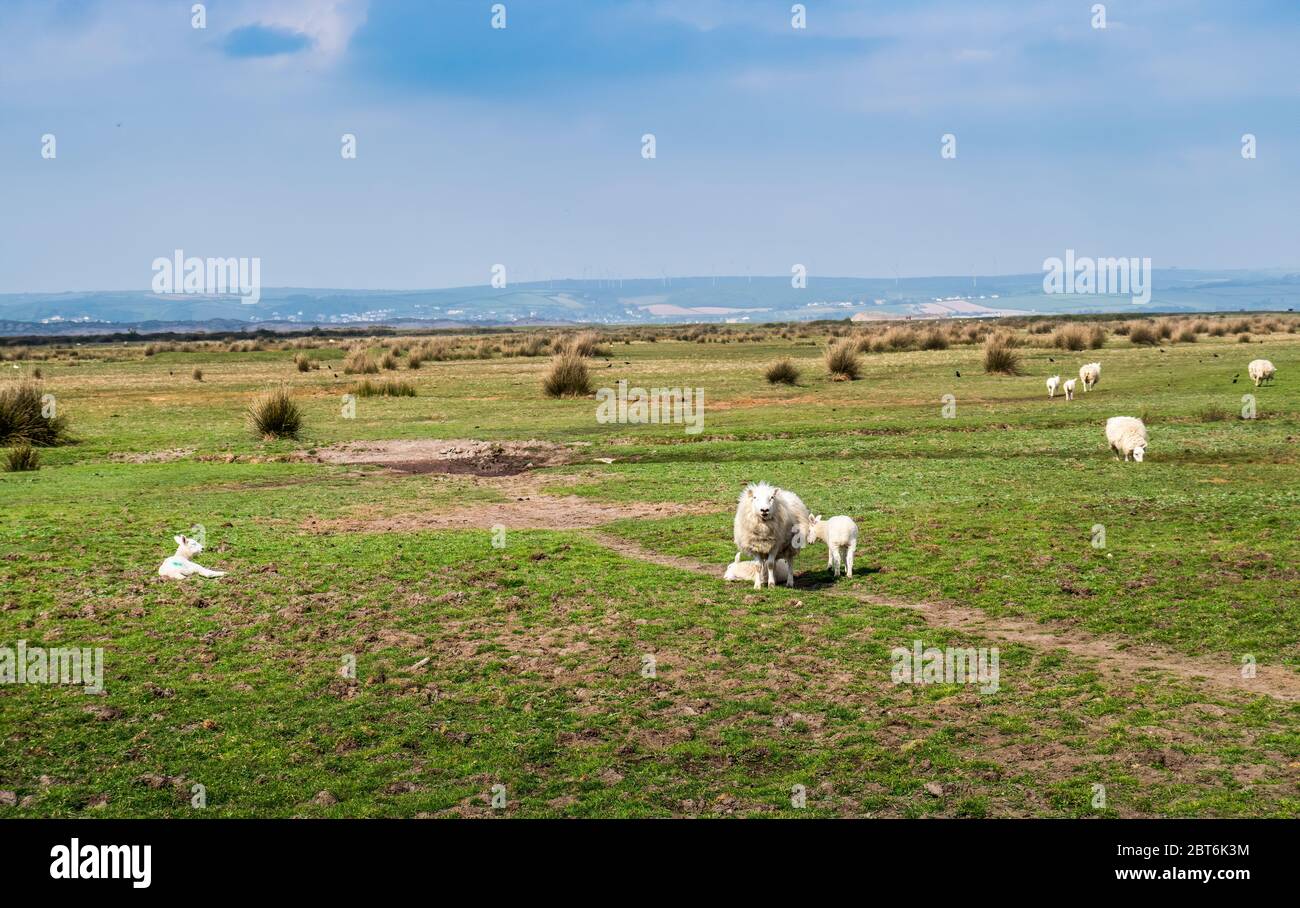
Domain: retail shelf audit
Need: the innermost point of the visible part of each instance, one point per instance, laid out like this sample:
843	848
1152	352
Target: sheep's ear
179	540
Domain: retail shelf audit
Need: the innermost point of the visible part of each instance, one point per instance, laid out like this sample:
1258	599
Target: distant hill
690	299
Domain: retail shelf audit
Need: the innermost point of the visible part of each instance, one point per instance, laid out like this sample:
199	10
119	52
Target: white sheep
770	525
841	537
179	566
1127	435
1052	384
747	570
1069	388
1090	374
1260	370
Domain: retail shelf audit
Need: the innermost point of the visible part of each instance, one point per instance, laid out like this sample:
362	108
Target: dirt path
1118	660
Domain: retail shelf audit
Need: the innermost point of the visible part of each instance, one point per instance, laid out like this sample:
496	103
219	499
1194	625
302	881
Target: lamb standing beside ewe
1090	374
179	566
747	570
1052	384
841	537
1069	389
1260	370
1127	435
771	524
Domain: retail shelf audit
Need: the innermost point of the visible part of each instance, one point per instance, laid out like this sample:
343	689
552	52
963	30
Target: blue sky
521	146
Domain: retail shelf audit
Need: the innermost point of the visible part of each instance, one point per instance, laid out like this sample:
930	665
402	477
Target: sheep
746	570
179	566
1090	374
1052	384
841	537
1069	389
1127	435
1261	370
770	524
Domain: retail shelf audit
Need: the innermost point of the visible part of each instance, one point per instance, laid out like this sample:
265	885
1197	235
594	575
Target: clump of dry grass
21	459
197	374
388	361
359	362
1096	337
782	372
25	418
389	388
273	414
1070	337
1000	356
586	344
567	376
1186	335
842	361
1143	334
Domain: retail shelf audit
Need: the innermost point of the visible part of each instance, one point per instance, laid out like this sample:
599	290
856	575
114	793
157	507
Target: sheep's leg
758	573
771	571
852	547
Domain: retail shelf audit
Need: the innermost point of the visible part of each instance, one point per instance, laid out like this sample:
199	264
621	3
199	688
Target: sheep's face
1139	453
187	547
762	499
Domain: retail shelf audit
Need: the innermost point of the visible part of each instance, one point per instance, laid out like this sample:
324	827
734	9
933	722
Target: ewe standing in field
1127	435
179	566
1052	384
1069	389
1090	375
841	537
771	525
747	570
1260	370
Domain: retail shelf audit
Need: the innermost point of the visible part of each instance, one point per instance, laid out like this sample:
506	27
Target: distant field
525	666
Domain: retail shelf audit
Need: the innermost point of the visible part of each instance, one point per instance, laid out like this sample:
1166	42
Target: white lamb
1090	374
748	570
1069	389
841	537
179	566
1260	370
770	525
1127	435
1052	384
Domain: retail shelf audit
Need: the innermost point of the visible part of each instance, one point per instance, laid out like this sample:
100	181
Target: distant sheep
1069	389
841	537
1090	374
1261	370
1127	435
179	566
748	570
1052	384
771	524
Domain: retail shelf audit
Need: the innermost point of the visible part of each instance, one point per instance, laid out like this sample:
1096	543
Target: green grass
534	679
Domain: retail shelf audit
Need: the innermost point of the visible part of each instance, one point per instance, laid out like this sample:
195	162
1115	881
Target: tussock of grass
390	388
197	374
1000	356
21	459
358	362
273	414
1143	334
782	372
842	361
567	376
23	418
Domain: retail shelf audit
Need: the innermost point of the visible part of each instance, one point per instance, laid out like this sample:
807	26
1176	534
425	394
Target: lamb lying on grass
841	537
179	566
771	524
1260	370
1052	384
1127	435
1090	374
1069	389
748	570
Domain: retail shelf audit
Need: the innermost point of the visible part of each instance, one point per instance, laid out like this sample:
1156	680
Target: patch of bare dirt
166	456
1119	660
454	456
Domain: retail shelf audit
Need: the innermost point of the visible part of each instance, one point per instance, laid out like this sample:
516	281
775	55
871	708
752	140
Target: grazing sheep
746	570
1052	384
770	525
1069	389
1090	374
1127	435
841	537
179	566
1260	370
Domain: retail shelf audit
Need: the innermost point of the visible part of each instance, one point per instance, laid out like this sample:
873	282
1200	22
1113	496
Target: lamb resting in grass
179	566
748	570
1260	370
1052	384
1069	389
1090	374
1127	435
771	524
841	537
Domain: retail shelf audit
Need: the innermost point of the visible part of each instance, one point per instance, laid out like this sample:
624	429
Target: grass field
526	665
